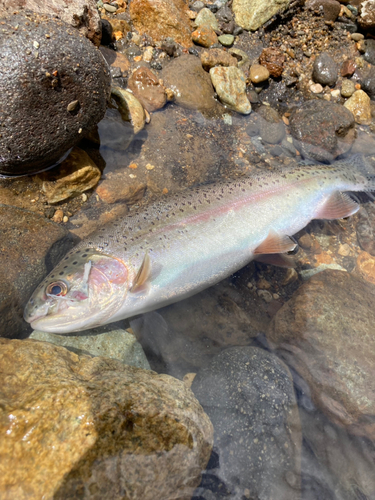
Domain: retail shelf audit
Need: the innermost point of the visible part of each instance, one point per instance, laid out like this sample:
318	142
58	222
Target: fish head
83	291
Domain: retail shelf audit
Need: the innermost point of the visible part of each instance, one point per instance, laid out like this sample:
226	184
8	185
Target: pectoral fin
276	243
337	206
142	276
276	259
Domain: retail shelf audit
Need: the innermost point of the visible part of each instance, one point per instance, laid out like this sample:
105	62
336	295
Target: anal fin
276	259
275	243
337	206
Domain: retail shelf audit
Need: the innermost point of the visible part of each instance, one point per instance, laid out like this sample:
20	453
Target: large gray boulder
54	87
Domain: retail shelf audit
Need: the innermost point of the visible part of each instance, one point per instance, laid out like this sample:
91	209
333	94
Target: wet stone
325	70
75	175
369	54
366	78
366	19
359	105
191	84
322	332
30	247
224	15
96	428
230	85
348	67
130	108
272	128
226	40
249	397
331	8
252	14
106	341
146	87
258	73
322	130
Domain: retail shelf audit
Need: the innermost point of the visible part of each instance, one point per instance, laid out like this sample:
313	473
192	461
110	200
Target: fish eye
57	288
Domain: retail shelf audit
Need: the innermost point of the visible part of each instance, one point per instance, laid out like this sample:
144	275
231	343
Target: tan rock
325	333
217	57
258	73
115	187
204	35
146	87
230	85
130	108
80	427
77	174
359	105
161	19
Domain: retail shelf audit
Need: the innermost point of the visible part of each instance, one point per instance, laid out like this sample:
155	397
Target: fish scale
180	245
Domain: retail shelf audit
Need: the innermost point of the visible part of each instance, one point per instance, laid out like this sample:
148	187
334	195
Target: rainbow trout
179	246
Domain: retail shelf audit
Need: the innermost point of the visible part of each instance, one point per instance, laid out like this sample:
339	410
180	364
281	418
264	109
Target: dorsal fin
337	206
142	276
275	243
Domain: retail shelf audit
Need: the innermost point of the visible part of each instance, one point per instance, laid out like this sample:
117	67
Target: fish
178	246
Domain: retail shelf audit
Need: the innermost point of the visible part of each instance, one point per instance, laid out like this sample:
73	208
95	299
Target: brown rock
77	174
115	59
366	267
273	60
192	85
366	19
95	428
161	19
146	87
325	333
348	67
115	188
30	246
204	35
81	14
217	57
331	8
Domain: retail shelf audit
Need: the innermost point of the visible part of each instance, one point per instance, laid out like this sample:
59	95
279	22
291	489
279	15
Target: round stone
226	40
347	88
258	73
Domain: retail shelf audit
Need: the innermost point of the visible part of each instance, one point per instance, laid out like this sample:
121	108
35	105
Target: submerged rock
77	174
130	108
190	83
93	428
322	130
30	247
325	70
230	85
216	57
146	87
252	14
272	128
324	333
53	78
248	394
106	341
160	19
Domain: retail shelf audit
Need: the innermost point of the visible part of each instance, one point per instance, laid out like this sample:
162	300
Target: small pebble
36	45
226	40
84	197
149	166
316	88
357	37
258	73
147	54
109	8
347	88
65	218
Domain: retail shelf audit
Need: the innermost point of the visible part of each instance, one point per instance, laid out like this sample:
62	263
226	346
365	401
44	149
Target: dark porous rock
335	464
369	54
191	84
224	15
325	332
146	87
45	66
273	59
272	128
325	70
95	428
248	394
366	78
331	8
30	247
322	130
81	14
